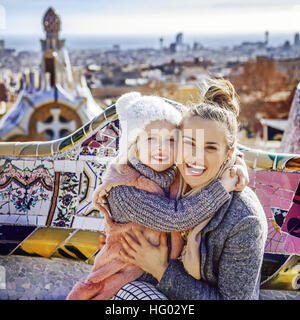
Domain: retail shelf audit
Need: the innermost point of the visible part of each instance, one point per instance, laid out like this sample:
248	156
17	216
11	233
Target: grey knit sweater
232	250
159	212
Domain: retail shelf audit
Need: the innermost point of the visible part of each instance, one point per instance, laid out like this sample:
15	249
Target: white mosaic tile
22	220
70	166
88	223
12	218
3	218
44	208
32	220
93	224
18	163
41	220
78	222
59	165
12	208
79	166
4	207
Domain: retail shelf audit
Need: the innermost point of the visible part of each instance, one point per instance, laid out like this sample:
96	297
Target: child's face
156	145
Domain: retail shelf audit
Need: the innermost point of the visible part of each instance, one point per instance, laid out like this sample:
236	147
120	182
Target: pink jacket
109	273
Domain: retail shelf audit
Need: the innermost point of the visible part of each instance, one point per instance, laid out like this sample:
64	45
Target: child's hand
228	181
235	178
240	169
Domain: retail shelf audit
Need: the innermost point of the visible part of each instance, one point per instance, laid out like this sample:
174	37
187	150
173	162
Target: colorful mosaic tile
90	179
25	189
67	200
103	143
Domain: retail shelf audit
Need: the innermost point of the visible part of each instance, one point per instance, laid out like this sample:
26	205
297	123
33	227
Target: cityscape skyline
131	17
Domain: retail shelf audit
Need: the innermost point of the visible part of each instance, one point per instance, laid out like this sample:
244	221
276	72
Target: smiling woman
223	253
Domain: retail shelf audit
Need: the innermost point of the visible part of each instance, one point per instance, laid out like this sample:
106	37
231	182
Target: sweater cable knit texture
129	204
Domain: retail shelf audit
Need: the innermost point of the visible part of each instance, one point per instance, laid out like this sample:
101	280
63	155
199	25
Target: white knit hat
136	112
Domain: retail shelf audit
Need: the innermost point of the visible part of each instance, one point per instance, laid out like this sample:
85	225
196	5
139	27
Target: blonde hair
124	158
218	102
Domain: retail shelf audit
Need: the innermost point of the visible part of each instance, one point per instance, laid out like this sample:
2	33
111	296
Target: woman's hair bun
222	93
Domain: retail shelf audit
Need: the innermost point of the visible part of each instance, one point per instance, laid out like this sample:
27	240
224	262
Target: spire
51	22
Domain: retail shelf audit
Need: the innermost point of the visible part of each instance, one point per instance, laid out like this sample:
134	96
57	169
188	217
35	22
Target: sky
120	17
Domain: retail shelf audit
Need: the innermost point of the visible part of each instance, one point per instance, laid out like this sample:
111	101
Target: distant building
197	46
258	47
178	45
179	39
267	38
297	40
161	43
286	45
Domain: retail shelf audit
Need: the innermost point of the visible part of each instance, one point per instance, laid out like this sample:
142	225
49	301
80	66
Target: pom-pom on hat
136	112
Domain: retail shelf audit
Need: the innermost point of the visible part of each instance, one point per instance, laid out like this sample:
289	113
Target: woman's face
212	147
156	145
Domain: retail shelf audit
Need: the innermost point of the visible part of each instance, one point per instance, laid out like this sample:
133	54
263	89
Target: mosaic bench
46	207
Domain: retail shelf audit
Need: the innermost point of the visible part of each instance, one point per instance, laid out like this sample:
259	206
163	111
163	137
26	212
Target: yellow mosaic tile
44	241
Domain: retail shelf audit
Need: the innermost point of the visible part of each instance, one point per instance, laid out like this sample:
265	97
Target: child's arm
161	213
128	177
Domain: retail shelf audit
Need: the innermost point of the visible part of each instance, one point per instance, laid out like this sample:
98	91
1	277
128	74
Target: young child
146	161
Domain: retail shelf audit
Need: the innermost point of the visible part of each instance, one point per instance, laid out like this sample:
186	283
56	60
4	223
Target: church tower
55	60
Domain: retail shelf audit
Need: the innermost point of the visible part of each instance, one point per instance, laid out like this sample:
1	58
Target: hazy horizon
73	41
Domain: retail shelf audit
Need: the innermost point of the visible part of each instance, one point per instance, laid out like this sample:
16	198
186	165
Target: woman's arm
238	272
161	213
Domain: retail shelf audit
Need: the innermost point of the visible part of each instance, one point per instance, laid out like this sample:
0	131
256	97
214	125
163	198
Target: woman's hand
150	258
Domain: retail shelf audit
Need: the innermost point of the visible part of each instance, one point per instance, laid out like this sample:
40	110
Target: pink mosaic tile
285	204
268	212
292	244
285	194
275	201
265	193
276	240
264	177
285	180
